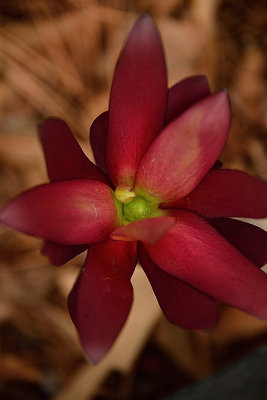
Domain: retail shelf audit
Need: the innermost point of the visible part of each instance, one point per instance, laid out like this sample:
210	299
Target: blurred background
57	59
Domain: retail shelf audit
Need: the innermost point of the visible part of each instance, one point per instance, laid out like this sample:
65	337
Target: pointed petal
182	304
98	136
137	101
185	151
196	253
227	193
249	239
64	157
186	93
146	230
59	254
101	298
70	212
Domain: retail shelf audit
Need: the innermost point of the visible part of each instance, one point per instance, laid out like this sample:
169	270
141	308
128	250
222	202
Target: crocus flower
157	194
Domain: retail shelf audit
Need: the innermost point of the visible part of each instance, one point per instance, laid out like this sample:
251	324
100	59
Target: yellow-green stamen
124	193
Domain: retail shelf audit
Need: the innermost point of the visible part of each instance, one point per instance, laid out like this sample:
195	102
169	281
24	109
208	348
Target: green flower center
133	206
137	209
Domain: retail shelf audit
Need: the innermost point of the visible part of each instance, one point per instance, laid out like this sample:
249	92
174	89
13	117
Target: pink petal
249	239
137	101
65	159
227	193
196	253
69	212
101	298
181	304
185	151
59	254
186	93
98	136
146	230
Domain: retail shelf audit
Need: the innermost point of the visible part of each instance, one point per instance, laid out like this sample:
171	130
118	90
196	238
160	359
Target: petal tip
144	29
223	96
145	18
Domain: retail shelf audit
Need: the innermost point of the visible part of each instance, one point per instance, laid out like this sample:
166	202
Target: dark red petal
249	239
70	212
185	151
196	253
64	157
59	254
186	93
182	304
146	230
101	298
137	101
227	193
98	136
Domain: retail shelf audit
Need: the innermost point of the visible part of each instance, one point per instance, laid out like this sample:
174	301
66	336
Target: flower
157	193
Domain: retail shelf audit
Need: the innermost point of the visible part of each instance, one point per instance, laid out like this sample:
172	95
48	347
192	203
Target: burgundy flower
157	194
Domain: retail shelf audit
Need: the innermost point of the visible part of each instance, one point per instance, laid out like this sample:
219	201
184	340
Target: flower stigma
137	209
134	207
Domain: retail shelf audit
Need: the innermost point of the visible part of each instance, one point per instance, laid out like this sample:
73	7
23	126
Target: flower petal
64	157
98	136
182	304
101	298
137	101
70	212
196	253
59	254
227	193
186	93
146	230
249	239
185	151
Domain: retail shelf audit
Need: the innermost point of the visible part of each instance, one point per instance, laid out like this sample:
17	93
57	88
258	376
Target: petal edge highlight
249	239
98	137
69	212
186	93
64	157
138	101
185	150
227	193
146	230
58	254
205	260
101	298
182	304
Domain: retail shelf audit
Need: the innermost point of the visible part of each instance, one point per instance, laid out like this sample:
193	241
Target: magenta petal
249	239
186	93
65	159
59	254
101	298
196	253
227	193
137	101
146	230
182	304
69	212
186	149
98	136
